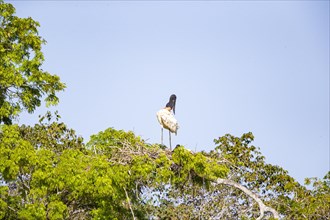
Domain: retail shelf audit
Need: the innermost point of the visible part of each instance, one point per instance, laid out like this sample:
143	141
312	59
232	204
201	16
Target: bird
166	119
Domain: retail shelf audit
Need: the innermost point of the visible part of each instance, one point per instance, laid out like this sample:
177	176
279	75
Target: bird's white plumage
166	120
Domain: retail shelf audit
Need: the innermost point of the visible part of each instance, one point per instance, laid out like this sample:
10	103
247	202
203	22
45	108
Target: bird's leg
170	139
161	137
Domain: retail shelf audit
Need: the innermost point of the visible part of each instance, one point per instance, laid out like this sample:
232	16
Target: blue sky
235	66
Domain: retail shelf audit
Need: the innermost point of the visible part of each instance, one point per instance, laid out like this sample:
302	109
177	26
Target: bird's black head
172	102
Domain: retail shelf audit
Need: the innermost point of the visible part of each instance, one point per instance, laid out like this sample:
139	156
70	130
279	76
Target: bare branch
12	209
263	208
129	203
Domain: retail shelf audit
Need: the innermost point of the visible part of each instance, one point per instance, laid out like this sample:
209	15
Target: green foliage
47	172
314	203
28	167
17	155
196	166
145	167
271	182
249	166
22	80
52	174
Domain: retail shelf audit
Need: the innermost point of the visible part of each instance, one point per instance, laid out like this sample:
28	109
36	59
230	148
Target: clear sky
235	66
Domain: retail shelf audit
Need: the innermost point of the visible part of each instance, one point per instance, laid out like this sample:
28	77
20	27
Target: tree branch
263	208
129	203
12	209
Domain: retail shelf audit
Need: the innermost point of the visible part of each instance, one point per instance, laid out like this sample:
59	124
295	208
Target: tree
47	172
272	183
28	157
22	80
